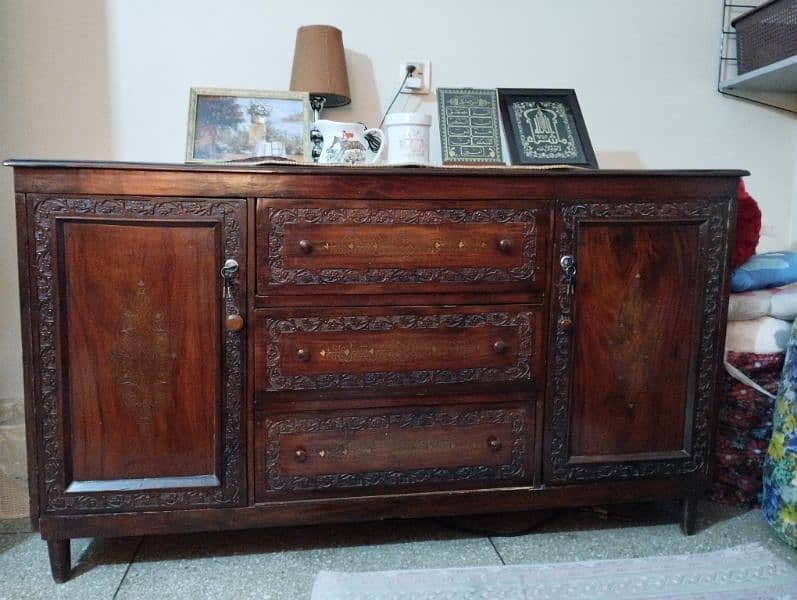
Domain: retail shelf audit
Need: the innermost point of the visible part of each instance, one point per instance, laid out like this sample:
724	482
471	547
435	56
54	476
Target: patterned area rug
748	571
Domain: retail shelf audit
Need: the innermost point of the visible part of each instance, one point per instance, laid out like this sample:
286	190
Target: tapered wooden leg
60	559
688	514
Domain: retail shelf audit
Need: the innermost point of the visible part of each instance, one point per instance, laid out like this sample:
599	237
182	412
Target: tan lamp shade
319	64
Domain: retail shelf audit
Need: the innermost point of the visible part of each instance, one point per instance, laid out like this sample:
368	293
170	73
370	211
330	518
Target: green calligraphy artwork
546	131
469	130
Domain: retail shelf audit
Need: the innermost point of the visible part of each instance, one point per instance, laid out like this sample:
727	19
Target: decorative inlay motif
280	274
48	371
348	353
713	223
349	425
277	328
353	352
382	244
142	359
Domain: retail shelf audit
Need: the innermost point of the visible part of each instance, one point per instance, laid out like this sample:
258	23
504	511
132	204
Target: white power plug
419	80
414	83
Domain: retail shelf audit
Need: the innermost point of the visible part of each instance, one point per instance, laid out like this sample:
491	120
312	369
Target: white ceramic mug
407	137
347	143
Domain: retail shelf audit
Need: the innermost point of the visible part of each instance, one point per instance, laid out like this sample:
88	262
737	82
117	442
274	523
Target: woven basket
766	34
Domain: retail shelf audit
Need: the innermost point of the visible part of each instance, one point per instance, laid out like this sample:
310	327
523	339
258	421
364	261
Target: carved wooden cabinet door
138	384
638	302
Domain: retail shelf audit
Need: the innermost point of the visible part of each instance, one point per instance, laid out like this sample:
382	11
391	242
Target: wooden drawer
367	347
348	247
455	446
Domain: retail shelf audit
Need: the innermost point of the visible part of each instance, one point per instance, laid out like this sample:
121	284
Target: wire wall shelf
772	85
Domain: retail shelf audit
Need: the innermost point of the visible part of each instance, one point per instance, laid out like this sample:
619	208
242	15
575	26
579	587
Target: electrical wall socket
423	72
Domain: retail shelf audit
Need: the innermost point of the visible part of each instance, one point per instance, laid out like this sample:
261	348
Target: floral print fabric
744	428
779	503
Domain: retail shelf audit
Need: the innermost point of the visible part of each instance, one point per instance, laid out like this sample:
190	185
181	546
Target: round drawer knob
500	347
235	322
306	246
493	443
566	323
300	454
505	246
303	354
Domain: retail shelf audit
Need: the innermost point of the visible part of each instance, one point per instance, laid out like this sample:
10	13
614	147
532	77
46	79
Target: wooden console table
380	343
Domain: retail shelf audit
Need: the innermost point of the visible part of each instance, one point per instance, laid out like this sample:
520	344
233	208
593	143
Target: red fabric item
748	227
743	428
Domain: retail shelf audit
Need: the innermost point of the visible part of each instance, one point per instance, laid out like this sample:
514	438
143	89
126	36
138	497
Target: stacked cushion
778	302
763	335
765	270
758	332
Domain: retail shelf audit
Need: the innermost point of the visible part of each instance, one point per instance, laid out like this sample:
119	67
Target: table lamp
319	68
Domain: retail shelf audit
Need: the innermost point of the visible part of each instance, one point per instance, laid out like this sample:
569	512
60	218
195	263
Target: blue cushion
765	270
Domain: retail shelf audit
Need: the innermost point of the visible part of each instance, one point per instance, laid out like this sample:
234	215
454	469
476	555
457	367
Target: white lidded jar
407	137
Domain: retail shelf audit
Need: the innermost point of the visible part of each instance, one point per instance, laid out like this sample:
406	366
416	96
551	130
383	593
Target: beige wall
54	102
645	72
110	80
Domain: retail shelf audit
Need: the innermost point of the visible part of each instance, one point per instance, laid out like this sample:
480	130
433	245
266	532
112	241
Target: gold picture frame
229	125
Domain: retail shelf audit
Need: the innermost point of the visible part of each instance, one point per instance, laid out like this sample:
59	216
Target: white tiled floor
282	563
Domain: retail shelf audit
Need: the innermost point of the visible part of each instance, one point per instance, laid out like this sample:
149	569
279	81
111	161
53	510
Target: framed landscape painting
239	125
545	127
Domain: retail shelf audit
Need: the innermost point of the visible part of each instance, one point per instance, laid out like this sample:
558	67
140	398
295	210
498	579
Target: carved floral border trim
713	251
277	481
50	419
277	327
280	275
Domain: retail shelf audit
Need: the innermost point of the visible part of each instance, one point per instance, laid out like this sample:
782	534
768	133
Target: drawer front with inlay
343	247
392	448
364	347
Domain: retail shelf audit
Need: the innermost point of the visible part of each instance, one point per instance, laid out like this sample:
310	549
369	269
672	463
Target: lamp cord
410	70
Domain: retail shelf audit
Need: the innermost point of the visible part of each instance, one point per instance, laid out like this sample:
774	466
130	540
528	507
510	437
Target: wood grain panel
408	246
275	181
345	247
55	256
143	341
633	337
385	448
413	346
627	364
403	350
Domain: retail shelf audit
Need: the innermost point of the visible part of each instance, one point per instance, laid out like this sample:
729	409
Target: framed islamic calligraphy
545	127
470	132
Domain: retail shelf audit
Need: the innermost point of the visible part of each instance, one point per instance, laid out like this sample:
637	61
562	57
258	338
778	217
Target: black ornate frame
507	97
